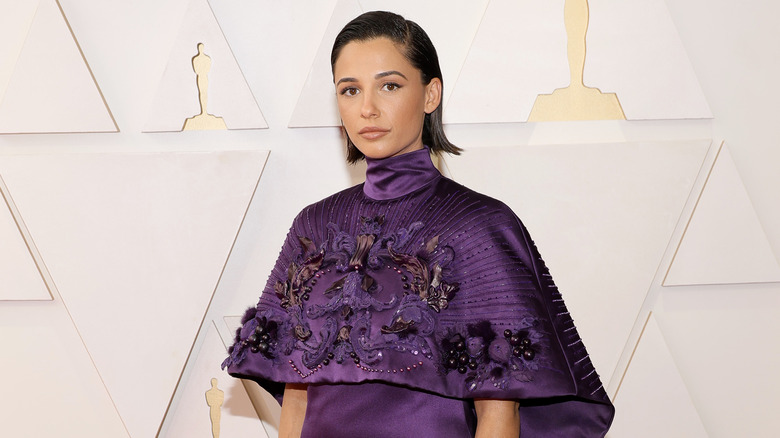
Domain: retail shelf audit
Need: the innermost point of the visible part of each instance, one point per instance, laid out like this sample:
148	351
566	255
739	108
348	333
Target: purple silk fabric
379	410
399	175
402	299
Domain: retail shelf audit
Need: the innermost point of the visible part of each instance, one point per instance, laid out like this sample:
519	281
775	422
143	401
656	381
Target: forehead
370	57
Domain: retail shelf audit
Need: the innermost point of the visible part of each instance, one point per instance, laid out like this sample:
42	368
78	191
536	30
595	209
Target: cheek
346	113
415	105
411	112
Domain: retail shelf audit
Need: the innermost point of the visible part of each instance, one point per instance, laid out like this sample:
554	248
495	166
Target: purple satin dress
402	299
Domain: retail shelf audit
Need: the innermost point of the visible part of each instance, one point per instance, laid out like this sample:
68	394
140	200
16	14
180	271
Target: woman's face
381	98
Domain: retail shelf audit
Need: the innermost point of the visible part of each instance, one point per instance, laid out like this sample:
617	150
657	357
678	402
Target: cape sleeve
509	302
453	300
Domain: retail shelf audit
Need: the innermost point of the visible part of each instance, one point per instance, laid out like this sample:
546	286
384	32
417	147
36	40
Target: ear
432	95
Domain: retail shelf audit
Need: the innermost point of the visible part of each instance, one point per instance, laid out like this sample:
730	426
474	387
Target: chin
375	153
377	156
378	153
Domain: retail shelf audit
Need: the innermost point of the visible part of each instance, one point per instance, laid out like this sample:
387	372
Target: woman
410	305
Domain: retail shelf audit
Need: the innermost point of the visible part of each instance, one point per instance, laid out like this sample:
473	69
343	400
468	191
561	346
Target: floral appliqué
487	357
352	298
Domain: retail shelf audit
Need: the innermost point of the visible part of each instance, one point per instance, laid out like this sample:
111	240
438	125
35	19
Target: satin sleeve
509	302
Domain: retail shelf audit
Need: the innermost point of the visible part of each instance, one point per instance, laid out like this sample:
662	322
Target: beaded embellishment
487	357
347	266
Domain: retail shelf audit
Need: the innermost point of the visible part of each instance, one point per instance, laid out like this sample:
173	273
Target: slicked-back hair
418	50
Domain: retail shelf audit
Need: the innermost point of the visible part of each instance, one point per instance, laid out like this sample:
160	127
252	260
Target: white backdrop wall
149	245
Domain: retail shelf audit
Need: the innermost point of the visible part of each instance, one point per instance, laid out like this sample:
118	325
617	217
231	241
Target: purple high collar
393	177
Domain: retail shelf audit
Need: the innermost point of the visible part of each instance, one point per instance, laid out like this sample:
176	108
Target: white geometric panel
602	216
137	243
634	50
15	23
229	96
19	271
317	102
50	385
191	416
52	88
724	340
724	242
652	400
503	88
232	323
452	38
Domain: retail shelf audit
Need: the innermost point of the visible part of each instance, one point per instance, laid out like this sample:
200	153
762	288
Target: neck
396	176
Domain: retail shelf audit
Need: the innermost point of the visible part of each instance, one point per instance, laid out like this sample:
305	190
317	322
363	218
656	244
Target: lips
372	132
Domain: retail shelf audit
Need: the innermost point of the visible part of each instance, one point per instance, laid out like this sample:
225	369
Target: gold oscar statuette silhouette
576	102
214	398
201	64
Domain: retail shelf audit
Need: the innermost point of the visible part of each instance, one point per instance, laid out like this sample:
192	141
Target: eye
349	91
391	86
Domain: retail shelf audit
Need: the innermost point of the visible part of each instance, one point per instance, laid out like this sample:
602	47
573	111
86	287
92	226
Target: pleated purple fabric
402	299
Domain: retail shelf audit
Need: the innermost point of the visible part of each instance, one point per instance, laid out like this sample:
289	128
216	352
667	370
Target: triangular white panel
137	248
51	88
50	385
724	343
232	323
317	102
602	216
15	24
653	400
19	273
501	86
191	417
634	50
229	95
452	38
724	242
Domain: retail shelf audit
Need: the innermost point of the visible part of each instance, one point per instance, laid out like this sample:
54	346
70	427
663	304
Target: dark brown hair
418	50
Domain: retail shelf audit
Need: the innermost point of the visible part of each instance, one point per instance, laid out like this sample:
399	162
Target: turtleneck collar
393	177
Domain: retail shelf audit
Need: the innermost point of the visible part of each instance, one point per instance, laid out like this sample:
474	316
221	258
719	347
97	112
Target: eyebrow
389	73
377	76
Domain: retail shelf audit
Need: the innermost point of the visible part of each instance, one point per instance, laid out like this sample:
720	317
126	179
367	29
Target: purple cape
402	299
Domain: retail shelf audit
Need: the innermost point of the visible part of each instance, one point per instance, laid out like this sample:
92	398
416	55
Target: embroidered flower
475	346
478	352
258	334
426	281
500	350
293	290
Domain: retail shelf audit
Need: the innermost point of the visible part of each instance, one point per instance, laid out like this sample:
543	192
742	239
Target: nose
369	108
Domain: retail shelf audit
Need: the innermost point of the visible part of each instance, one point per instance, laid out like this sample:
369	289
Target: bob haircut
418	50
